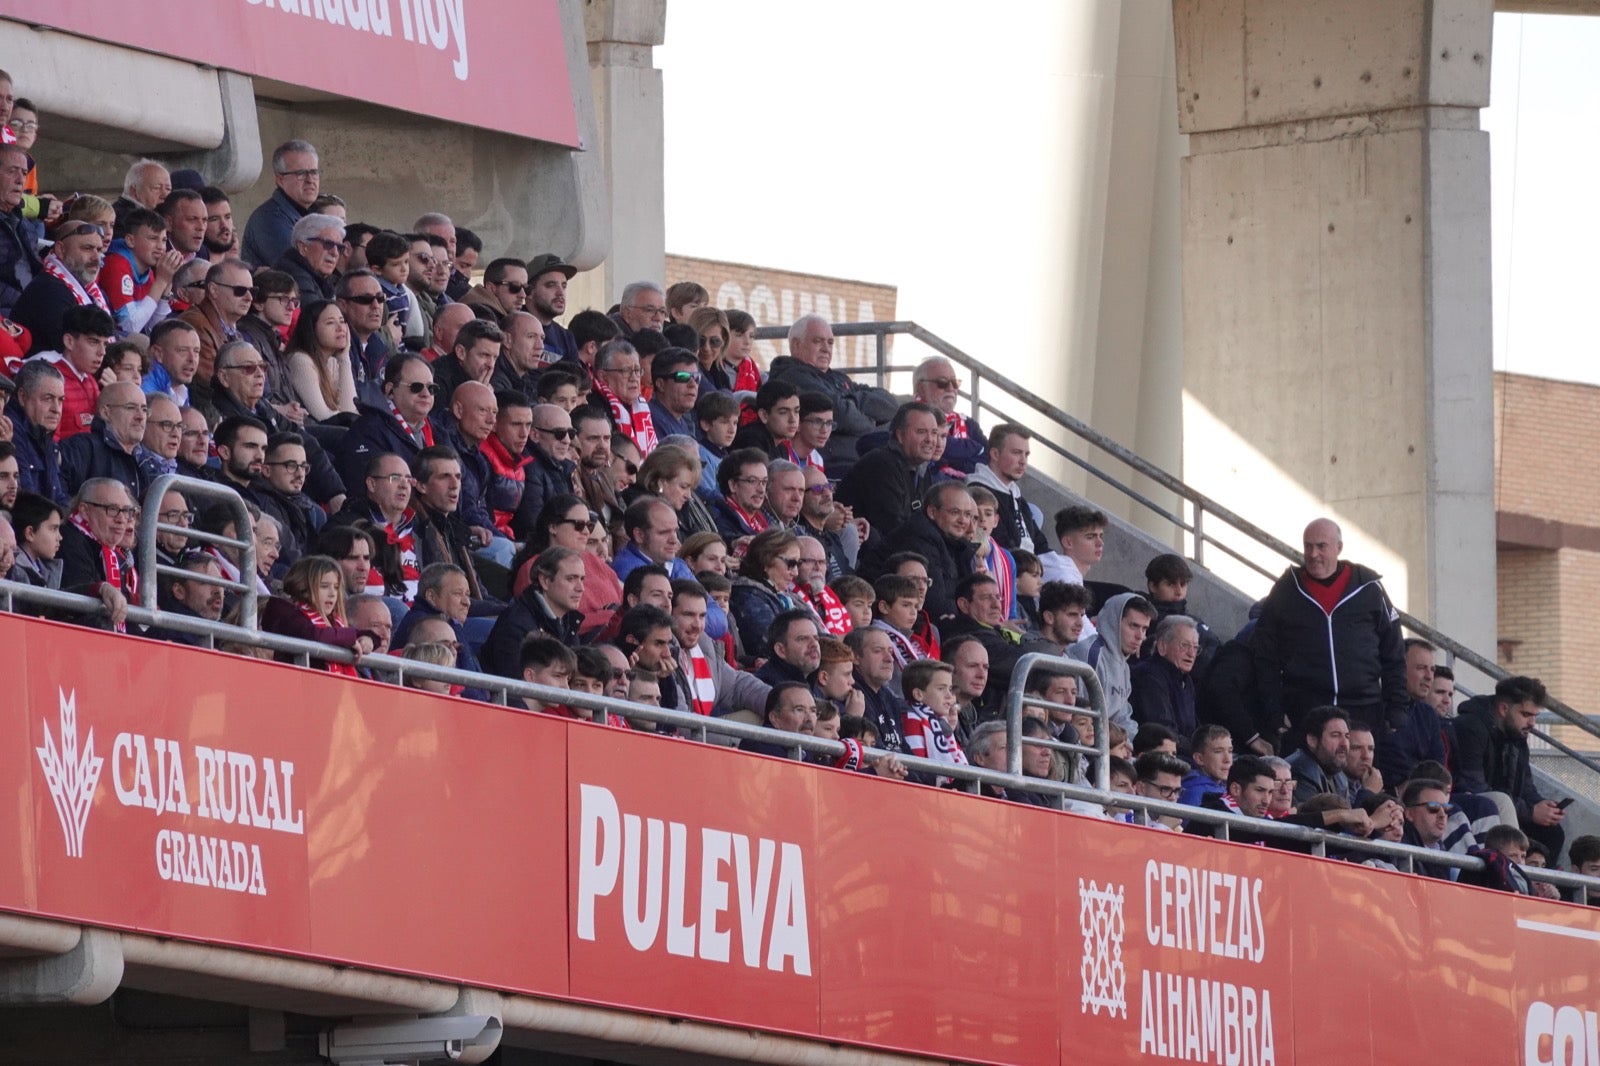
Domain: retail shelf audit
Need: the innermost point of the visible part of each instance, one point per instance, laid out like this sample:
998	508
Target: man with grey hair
786	493
107	449
35	414
618	374
643	306
94	561
312	255
1163	690
298	175
19	254
858	409
145	185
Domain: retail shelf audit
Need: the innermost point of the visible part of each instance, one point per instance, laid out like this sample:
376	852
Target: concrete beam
86	975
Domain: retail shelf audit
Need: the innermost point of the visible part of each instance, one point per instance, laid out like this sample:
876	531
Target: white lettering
597	870
790	937
641	927
716	849
680	935
1199	1020
121	751
209	862
752	897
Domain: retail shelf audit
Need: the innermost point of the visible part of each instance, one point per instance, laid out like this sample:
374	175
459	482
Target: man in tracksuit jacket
1328	635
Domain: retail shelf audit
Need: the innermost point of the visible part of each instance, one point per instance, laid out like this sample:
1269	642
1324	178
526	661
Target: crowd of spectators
438	461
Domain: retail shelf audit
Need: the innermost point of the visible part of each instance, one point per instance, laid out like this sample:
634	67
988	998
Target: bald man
447	322
522	357
108	449
473	411
1328	635
550	473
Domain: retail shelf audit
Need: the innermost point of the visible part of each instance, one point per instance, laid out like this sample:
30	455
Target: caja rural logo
233	788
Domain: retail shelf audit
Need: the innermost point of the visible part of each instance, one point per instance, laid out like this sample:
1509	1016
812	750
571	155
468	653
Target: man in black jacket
1328	635
887	483
858	409
940	532
1492	737
107	450
240	389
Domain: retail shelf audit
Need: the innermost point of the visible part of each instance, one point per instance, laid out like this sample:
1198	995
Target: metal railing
504	691
1202	508
151	569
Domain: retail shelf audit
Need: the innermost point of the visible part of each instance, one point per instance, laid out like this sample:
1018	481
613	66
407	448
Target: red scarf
755	523
1003	568
111	561
636	425
427	427
318	620
702	692
906	647
84	295
835	619
747	378
958	426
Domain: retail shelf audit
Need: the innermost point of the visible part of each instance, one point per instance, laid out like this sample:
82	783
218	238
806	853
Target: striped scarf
907	649
958	426
1003	568
83	294
702	692
636	425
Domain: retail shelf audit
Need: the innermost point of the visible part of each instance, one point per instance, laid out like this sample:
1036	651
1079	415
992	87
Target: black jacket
528	613
374	432
18	257
323	483
38	456
858	409
542	479
1491	759
310	285
97	454
885	487
1165	695
475	475
1353	658
949	560
507	378
40	308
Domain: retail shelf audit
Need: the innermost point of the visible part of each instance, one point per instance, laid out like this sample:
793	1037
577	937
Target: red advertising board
496	64
200	796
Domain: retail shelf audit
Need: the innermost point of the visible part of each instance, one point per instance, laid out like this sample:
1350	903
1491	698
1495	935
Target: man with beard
222	240
597	486
1492	731
241	443
66	281
282	496
547	299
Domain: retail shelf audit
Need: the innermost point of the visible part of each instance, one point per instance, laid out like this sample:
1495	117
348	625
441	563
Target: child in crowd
389	257
857	596
895	612
1030	579
929	689
834	682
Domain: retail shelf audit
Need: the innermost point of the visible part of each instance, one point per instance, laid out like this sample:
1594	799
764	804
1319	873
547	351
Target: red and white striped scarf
755	522
1003	568
426	431
958	426
747	376
927	737
84	295
112	562
907	649
636	425
702	692
320	621
835	619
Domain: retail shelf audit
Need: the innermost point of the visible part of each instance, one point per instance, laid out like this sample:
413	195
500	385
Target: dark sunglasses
582	525
514	286
792	564
558	434
1431	808
365	299
237	290
682	377
417	388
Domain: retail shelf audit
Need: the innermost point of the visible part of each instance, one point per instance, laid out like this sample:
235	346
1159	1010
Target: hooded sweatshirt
1108	659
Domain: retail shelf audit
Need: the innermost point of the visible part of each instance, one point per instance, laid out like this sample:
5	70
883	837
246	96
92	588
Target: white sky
783	170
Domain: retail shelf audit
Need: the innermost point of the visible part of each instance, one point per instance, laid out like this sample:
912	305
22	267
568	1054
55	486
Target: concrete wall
1336	282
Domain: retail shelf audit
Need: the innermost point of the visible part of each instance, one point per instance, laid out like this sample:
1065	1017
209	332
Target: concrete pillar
626	87
1336	283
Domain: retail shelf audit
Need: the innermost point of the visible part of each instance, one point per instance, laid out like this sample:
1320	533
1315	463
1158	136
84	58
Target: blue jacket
19	258
38	456
465	659
475	478
754	604
266	235
97	454
374	432
1416	736
1197	785
630	558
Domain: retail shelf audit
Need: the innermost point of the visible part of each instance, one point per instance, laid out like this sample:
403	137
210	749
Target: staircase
1566	744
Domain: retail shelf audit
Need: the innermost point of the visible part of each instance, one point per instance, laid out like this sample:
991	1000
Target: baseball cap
544	264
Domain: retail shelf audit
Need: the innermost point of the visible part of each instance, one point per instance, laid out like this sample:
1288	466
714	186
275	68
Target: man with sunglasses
362	300
240	389
1427	813
273	307
675	374
312	256
399	424
298	175
107	450
229	291
504	289
550	445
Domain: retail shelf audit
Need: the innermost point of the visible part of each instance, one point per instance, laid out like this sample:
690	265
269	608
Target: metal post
1199	533
883	359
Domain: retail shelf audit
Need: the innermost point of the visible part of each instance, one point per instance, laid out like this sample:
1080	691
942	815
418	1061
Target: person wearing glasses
1427	813
566	522
241	391
312	257
764	589
504	289
550	444
643	306
157	453
229	291
399	425
675	375
372	338
93	560
298	176
281	494
273	307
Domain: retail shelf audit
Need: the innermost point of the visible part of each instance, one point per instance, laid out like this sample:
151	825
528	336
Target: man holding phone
1492	737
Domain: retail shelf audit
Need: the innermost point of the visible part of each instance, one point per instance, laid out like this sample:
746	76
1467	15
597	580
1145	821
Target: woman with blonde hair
320	376
672	472
710	325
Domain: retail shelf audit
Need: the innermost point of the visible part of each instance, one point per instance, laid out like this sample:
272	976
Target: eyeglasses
558	434
133	407
750	480
1432	807
515	286
627	371
203	434
820	423
824	489
1166	791
249	368
653	312
328	243
237	290
417	388
24	127
366	299
792	564
292	466
176	518
309	172
711	341
393	479
113	510
192	285
582	525
289	300
167	426
943	383
424	260
682	377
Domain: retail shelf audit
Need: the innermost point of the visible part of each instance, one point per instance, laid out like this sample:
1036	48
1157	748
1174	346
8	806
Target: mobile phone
1563	804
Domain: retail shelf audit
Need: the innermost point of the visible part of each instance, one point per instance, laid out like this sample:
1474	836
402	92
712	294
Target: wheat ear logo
71	775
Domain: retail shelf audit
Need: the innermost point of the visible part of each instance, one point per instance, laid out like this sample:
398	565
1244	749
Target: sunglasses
682	377
558	434
1431	808
515	286
943	383
417	388
792	564
582	525
237	290
365	299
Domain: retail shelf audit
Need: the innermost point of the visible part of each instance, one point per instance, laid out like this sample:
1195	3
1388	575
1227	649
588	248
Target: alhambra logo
1100	922
71	774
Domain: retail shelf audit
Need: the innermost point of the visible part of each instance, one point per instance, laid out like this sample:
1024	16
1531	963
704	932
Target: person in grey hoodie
1120	628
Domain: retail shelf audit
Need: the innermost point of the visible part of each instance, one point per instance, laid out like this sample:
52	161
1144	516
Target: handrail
151	569
967	777
1201	503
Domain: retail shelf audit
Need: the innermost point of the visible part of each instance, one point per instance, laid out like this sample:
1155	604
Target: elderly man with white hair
315	242
145	185
858	409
